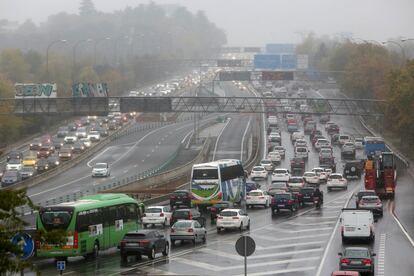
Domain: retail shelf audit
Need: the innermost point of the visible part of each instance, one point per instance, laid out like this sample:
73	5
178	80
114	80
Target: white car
301	152
14	164
101	169
70	139
157	215
94	136
258	197
320	172
359	143
281	150
81	132
274	156
86	142
267	164
280	175
311	178
336	181
300	143
296	182
342	139
272	120
296	135
322	143
232	219
258	172
274	137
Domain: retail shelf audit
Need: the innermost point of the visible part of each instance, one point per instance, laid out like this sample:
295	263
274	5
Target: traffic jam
286	183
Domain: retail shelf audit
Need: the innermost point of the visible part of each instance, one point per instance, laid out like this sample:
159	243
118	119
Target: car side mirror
375	219
373	254
339	254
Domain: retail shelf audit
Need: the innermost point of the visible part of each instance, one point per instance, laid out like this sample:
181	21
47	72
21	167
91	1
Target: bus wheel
95	252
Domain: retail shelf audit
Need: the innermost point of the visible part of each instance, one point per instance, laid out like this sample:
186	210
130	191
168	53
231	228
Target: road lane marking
291	245
325	253
58	187
381	255
312	224
281	271
399	224
285	253
299	231
154	271
261	237
242	141
218	138
327	217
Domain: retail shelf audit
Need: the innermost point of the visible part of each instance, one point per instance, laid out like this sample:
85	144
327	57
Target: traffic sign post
245	246
61	265
26	244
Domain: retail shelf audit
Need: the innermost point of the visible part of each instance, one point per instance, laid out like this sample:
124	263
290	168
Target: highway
305	243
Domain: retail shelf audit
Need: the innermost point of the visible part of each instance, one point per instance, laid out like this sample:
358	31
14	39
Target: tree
11	223
13	65
87	8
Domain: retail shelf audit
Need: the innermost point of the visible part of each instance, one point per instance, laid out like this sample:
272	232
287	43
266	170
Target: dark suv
353	169
15	155
187	214
180	198
297	166
284	201
143	242
306	195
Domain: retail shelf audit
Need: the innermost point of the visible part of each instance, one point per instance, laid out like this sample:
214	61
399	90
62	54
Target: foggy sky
257	22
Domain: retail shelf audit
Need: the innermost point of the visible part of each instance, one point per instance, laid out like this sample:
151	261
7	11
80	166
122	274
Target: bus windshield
56	219
203	174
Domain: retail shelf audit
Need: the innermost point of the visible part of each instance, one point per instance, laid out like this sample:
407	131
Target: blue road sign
280	48
288	61
26	244
60	265
264	61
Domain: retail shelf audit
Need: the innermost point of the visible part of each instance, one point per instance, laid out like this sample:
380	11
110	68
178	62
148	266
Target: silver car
190	230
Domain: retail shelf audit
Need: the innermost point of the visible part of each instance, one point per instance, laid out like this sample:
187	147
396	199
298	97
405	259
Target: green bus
93	223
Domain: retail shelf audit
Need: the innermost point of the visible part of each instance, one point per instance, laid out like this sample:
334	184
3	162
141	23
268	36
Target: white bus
221	180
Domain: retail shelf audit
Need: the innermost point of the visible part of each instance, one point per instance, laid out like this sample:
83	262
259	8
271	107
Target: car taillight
190	216
345	261
235	218
37	244
190	230
219	217
212	209
261	197
161	214
144	242
123	242
378	202
367	261
75	240
145	215
248	197
273	200
290	201
172	196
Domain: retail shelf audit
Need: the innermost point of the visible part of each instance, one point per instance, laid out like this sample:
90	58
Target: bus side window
132	212
111	215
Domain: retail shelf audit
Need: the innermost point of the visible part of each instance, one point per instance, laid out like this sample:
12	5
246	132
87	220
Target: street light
47	54
406	39
96	43
399	45
117	40
74	55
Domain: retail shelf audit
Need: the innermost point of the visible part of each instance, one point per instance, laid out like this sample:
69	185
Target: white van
357	224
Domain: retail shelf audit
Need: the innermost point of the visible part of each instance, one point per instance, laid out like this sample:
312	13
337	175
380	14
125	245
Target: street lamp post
117	40
74	55
47	54
399	45
96	44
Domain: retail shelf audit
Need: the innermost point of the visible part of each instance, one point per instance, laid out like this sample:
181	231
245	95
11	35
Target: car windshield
153	210
181	214
309	174
258	169
100	166
182	224
228	214
295	180
301	149
278	186
14	161
362	194
356	253
370	198
255	194
266	162
27	169
335	176
282	196
280	171
203	174
132	236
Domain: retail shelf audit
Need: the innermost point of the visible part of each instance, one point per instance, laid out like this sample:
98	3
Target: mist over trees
126	49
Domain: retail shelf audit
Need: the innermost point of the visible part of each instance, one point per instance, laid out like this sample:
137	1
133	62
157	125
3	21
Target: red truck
381	174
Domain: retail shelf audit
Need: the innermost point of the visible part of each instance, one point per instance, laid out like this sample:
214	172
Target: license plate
133	244
178	202
306	197
280	205
350	228
355	262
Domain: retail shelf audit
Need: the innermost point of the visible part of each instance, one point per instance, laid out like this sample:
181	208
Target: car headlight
57	163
